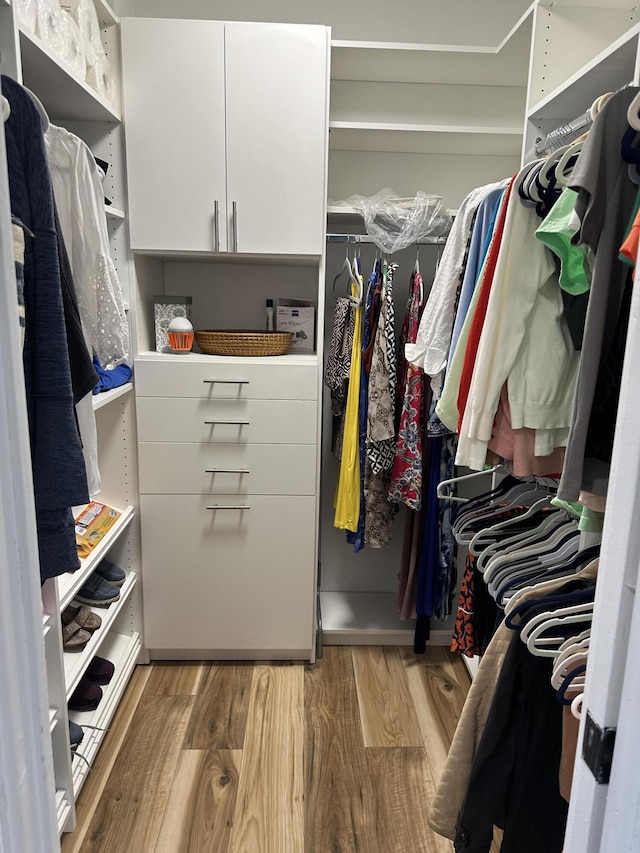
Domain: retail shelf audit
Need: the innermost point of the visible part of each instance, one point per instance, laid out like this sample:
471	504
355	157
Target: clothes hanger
532	632
5	108
478	544
576	679
563	173
633	116
523	494
531	550
346	267
557	563
542	587
511	545
563	668
443	496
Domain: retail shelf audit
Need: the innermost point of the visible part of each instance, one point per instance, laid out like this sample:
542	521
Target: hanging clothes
59	476
336	375
406	476
347	501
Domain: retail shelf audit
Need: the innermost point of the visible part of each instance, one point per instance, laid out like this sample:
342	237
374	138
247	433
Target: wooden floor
338	757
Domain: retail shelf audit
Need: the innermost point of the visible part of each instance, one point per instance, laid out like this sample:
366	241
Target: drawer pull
227	471
227	423
229	506
226	381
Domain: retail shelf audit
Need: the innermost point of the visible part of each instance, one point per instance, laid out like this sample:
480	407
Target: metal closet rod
561	134
366	239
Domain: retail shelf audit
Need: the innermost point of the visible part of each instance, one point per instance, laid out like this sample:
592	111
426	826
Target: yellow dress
347	501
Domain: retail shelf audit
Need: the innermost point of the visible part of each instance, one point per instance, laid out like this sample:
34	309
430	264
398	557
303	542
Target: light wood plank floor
339	757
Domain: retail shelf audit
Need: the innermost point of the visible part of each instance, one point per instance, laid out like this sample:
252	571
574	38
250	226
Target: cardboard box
299	317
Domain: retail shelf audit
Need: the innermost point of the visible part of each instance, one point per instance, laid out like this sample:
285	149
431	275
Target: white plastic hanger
548	646
541	587
440	490
633	113
512	544
562	175
5	108
478	544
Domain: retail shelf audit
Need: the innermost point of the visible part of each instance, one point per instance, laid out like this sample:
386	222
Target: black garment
575	313
514	779
84	376
59	475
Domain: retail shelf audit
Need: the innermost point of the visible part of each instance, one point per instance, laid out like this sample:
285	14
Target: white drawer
228	578
228	469
214	378
237	421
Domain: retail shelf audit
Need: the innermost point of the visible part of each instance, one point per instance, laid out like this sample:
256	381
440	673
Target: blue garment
480	241
357	539
113	378
429	556
59	475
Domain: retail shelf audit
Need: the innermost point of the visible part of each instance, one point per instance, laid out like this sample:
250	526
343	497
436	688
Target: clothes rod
366	239
566	132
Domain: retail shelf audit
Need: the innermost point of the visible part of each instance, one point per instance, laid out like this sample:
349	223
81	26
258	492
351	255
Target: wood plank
386	710
96	780
174	678
201	804
130	811
339	797
219	716
438	691
270	803
402	791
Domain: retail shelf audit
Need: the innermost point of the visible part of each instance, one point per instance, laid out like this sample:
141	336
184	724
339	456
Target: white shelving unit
69	584
72	103
104	398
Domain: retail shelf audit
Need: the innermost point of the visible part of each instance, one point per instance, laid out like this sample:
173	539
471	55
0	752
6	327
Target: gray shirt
605	202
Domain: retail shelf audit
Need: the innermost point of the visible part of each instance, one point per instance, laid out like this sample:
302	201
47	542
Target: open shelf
63	95
296	359
123	652
609	70
106	15
106	397
424	138
114	212
75	663
71	582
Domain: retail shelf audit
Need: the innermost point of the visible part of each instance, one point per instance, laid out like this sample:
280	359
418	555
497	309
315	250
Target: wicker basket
243	342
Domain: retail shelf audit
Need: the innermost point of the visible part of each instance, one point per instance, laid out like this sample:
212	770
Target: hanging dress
347	501
336	375
406	476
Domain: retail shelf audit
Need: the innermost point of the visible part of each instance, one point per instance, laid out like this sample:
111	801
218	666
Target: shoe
83	616
74	638
98	592
111	573
86	696
76	735
100	670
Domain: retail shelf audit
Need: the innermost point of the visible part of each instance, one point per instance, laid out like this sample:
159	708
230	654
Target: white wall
482	22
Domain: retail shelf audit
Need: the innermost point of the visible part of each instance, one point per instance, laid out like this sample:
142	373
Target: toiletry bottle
269	310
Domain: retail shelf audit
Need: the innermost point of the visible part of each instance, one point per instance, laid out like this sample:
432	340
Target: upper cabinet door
174	101
277	137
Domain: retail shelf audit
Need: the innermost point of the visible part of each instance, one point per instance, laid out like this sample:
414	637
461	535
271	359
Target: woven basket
243	342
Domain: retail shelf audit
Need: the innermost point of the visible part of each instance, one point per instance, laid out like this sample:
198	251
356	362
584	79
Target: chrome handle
216	227
226	381
229	506
228	423
235	226
227	471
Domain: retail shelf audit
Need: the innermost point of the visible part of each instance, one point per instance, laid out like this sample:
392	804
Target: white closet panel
170	72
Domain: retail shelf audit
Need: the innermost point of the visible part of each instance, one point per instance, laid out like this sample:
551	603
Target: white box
299	319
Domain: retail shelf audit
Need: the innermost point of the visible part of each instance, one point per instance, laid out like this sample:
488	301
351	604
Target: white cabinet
227	130
228	482
174	100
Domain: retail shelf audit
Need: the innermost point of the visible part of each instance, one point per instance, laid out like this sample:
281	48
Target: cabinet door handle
226	381
216	227
229	506
227	471
228	423
234	225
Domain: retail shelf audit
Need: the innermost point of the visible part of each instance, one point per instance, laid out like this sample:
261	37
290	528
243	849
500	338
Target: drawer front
227	421
228	578
226	379
228	469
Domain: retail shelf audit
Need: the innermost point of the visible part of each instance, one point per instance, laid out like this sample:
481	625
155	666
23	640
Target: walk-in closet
321	441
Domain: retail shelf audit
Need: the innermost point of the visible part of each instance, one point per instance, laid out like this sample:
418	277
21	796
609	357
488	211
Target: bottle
269	311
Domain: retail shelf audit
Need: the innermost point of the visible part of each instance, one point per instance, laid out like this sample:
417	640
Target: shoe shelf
63	808
106	397
75	663
70	583
123	651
